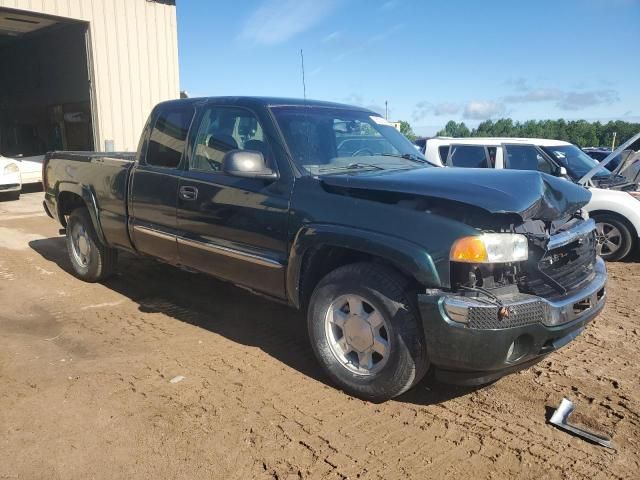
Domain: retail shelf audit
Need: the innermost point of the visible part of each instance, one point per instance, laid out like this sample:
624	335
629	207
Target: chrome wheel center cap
358	333
83	245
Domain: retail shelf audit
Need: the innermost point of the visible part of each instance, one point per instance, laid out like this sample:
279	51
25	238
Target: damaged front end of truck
524	284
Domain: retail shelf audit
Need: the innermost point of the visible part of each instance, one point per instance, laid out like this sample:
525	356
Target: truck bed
107	174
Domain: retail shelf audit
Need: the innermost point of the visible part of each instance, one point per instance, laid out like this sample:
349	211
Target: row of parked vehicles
399	266
614	193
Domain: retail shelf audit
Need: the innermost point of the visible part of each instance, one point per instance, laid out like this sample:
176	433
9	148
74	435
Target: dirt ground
88	385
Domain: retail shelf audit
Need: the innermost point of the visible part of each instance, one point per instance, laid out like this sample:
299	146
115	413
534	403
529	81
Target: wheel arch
620	217
72	196
319	249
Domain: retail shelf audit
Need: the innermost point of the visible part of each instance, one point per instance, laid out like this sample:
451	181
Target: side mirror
247	164
562	172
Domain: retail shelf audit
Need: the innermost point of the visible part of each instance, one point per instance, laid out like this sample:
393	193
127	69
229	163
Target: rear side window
468	156
526	157
444	153
169	136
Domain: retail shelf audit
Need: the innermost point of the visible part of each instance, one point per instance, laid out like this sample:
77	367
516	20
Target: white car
30	168
614	201
10	178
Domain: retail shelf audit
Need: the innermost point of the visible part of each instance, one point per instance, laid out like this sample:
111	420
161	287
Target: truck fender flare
407	256
88	196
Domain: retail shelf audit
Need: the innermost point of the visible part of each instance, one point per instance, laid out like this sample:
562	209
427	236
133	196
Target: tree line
579	132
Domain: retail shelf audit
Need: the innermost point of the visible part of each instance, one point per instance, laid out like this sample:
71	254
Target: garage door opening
45	88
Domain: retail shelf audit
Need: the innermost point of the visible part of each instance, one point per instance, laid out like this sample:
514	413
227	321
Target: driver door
233	228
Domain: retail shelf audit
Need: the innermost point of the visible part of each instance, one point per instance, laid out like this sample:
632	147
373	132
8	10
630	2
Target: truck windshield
577	163
328	140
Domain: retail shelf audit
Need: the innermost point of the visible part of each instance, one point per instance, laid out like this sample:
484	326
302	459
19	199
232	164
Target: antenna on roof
304	85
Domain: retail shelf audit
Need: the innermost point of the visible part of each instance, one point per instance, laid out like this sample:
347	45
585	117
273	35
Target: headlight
11	168
490	248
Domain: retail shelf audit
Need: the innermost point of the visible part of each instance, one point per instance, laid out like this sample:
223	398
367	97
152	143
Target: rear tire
379	351
92	261
614	237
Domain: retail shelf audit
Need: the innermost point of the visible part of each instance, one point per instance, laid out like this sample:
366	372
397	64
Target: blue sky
432	60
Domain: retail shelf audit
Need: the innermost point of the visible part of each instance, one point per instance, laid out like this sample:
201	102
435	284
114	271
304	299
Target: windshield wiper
353	166
406	156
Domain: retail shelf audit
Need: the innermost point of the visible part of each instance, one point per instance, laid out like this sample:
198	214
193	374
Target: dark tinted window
169	135
444	153
526	157
598	155
468	156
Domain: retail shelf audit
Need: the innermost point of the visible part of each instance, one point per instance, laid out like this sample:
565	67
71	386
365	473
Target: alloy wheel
80	245
358	334
609	238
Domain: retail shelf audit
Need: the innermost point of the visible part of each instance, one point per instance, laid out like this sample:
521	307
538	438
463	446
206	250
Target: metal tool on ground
560	419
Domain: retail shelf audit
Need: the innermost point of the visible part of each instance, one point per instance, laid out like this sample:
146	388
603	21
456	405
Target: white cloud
589	98
368	42
442	109
422	109
333	36
535	95
576	99
276	21
390	5
482	110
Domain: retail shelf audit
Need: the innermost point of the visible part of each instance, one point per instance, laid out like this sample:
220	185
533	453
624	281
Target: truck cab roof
266	102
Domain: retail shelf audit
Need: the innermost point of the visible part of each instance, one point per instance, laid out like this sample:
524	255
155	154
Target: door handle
188	193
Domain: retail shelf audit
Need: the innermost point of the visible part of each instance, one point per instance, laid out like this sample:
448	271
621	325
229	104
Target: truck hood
527	194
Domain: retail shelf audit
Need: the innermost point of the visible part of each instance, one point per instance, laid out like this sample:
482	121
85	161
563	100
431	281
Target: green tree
406	130
580	132
453	129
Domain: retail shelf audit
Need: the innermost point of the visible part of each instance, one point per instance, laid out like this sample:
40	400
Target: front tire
614	237
92	261
365	331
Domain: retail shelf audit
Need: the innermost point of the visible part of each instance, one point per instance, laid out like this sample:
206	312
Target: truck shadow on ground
222	308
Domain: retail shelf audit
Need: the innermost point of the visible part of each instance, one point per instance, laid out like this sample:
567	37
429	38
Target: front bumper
10	182
489	345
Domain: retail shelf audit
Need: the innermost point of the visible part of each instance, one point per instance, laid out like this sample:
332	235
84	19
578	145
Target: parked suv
614	200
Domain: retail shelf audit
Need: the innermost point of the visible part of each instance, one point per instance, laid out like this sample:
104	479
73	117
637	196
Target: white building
83	74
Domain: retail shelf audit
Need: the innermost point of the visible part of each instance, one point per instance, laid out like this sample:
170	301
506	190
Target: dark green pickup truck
400	266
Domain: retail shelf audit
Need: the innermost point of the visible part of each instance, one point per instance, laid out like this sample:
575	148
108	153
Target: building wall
134	46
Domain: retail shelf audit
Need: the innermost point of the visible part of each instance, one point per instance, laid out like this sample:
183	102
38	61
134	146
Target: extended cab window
223	129
526	157
469	156
169	135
